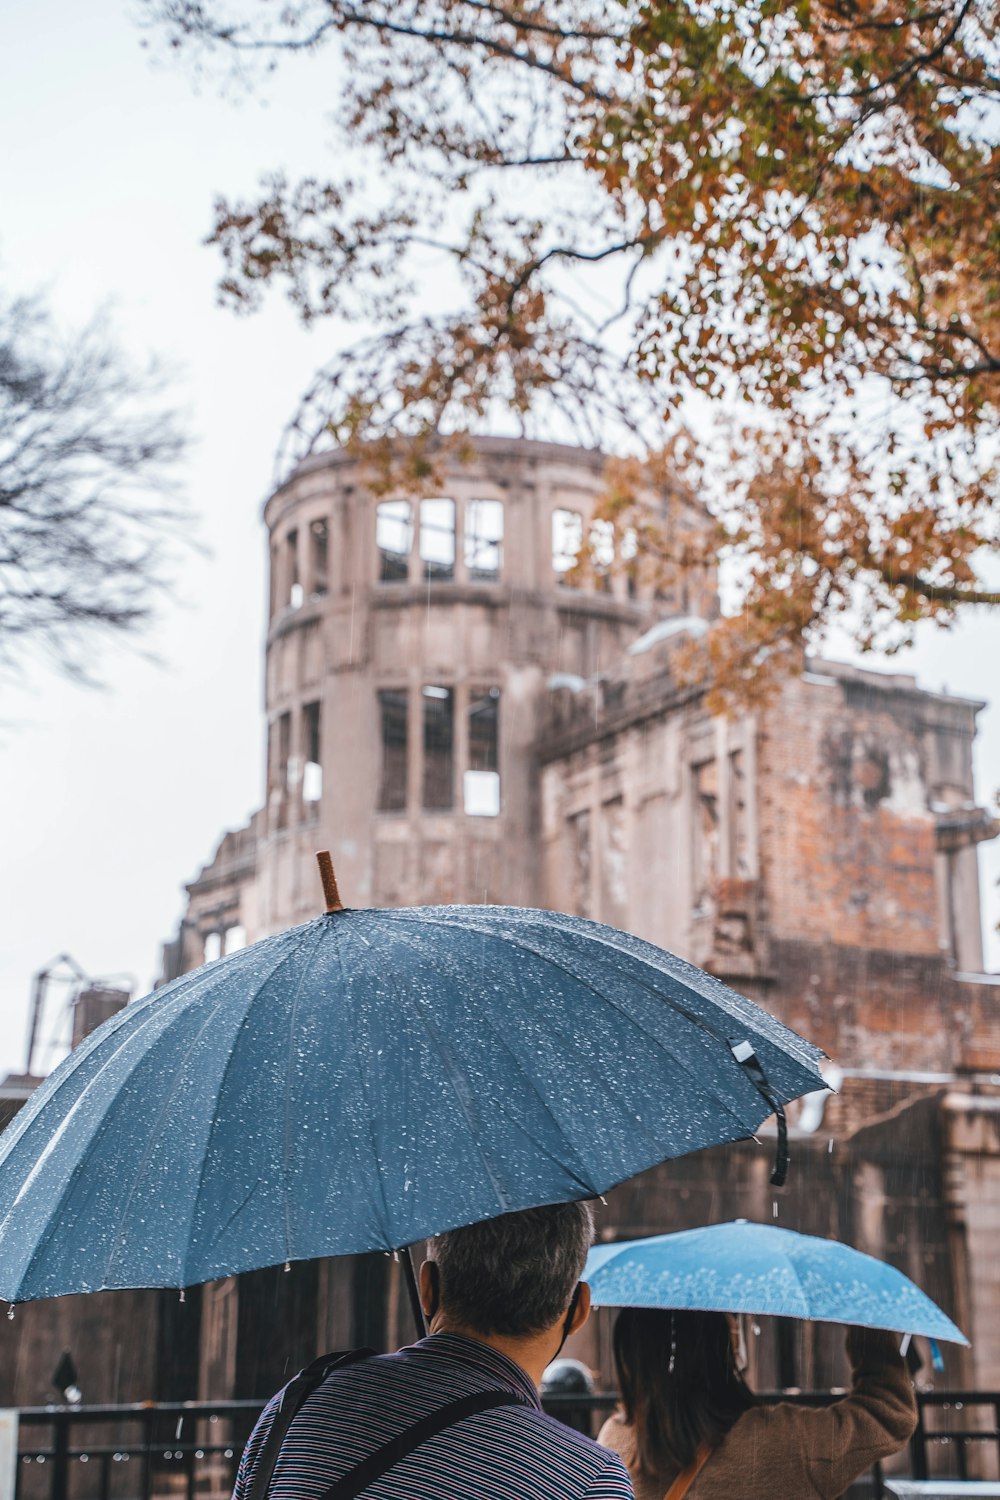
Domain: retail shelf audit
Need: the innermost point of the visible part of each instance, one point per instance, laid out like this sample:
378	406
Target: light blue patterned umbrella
762	1269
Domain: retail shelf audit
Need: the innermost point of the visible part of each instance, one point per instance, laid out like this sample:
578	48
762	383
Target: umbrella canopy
763	1269
368	1079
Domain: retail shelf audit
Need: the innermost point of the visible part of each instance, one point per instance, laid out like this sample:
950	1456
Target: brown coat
787	1452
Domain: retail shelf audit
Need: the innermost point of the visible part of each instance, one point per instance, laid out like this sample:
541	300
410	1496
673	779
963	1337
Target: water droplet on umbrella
10	1313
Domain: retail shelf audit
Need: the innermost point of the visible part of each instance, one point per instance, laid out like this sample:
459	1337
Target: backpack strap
365	1473
687	1476
289	1402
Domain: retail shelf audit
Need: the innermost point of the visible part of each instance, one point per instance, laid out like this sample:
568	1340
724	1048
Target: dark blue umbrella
766	1270
369	1079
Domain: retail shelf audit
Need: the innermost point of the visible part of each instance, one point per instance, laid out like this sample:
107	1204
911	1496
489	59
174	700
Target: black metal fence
191	1450
135	1452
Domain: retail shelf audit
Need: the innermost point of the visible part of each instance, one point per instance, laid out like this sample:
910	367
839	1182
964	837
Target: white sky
111	800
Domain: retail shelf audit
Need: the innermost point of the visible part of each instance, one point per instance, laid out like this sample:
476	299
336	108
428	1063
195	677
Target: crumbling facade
460	717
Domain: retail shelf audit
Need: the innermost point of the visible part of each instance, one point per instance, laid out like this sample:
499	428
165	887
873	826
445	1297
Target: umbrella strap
289	1402
750	1063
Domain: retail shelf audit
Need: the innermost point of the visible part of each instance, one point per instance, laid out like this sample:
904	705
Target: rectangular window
439	741
234	938
394	539
284	750
612	872
283	767
567	537
602	552
312	774
739	851
437	540
630	559
706	833
481	783
294	581
578	829
392	781
319	550
484	540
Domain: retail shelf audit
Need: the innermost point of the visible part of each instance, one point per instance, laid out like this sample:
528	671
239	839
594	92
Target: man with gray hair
456	1414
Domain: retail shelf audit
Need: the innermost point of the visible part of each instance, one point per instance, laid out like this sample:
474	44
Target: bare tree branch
89	519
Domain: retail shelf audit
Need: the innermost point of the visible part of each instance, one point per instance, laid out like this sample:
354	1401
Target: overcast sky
112	799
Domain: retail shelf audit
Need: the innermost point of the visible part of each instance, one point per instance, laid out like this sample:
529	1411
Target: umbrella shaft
409	1272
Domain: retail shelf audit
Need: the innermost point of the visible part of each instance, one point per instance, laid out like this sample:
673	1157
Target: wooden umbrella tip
329	879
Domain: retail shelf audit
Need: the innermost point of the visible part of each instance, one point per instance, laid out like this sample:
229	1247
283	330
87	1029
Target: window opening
739	843
312	774
437	540
484	540
567	537
319	547
213	946
612	871
392	781
629	555
284	749
602	552
579	851
234	938
481	783
284	767
706	834
295	593
394	539
439	739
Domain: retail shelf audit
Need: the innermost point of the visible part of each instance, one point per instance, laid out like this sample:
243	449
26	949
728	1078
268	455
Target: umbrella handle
329	879
409	1271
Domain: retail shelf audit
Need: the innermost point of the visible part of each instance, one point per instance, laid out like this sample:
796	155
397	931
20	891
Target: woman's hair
679	1383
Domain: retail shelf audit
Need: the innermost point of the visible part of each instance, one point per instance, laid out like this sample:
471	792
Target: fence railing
188	1450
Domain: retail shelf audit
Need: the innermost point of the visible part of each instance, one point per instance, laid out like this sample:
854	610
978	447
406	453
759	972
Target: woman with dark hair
688	1424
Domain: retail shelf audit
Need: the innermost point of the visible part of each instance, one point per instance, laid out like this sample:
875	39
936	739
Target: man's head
514	1276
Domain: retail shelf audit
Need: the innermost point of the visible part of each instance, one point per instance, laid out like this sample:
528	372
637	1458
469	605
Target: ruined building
459	718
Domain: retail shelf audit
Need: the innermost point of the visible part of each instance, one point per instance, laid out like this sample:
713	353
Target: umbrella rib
739	1122
133	1015
723	1001
372	1143
486	1020
287	1136
451	1075
78	1166
737	1006
178	1073
282	960
680	1009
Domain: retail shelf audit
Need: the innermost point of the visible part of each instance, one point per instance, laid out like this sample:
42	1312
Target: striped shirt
507	1453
